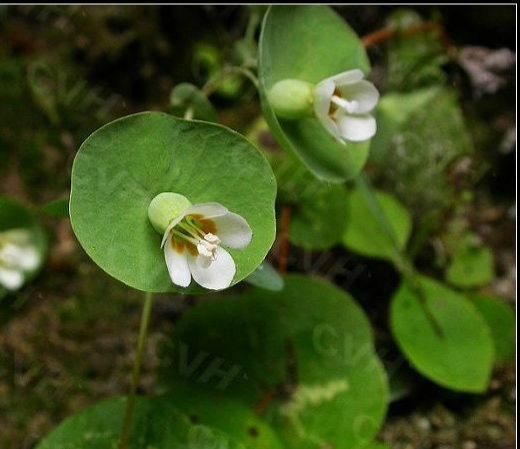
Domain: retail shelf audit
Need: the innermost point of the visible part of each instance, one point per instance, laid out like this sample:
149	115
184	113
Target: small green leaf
364	234
501	320
310	43
121	167
471	266
156	424
266	277
303	358
186	96
442	335
57	208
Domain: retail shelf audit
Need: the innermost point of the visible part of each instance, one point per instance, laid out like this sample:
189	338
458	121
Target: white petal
203	261
208	210
333	129
348	77
364	92
20	257
172	224
233	230
218	275
11	279
322	95
177	264
356	128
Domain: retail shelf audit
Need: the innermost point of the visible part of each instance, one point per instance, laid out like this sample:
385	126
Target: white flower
192	245
342	104
18	256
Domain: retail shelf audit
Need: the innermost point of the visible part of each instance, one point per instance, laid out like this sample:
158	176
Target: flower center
349	106
195	233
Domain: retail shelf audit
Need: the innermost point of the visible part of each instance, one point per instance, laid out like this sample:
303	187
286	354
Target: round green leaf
13	215
303	357
501	320
364	234
121	167
310	43
442	335
156	423
471	266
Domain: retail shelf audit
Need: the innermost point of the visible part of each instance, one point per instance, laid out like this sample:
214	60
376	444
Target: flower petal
172	224
233	230
177	264
348	77
356	128
11	279
364	92
322	95
208	210
19	257
218	275
203	261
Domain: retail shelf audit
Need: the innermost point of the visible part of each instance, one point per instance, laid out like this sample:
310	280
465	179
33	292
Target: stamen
349	106
194	225
190	229
206	243
205	249
212	238
183	236
208	250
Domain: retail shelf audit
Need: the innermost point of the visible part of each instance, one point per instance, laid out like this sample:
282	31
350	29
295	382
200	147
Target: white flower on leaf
342	103
192	245
18	256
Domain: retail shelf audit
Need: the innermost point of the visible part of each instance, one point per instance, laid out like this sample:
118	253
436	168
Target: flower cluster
18	257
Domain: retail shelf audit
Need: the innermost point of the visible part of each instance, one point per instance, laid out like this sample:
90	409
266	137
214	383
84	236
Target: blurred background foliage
67	70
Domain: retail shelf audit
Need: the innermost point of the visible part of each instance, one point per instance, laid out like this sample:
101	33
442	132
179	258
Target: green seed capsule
164	208
292	99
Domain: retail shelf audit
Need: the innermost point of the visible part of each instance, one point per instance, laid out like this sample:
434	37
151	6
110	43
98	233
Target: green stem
136	373
213	83
400	260
188	115
252	24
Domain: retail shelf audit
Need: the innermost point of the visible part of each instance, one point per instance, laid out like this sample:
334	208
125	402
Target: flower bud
292	99
164	208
